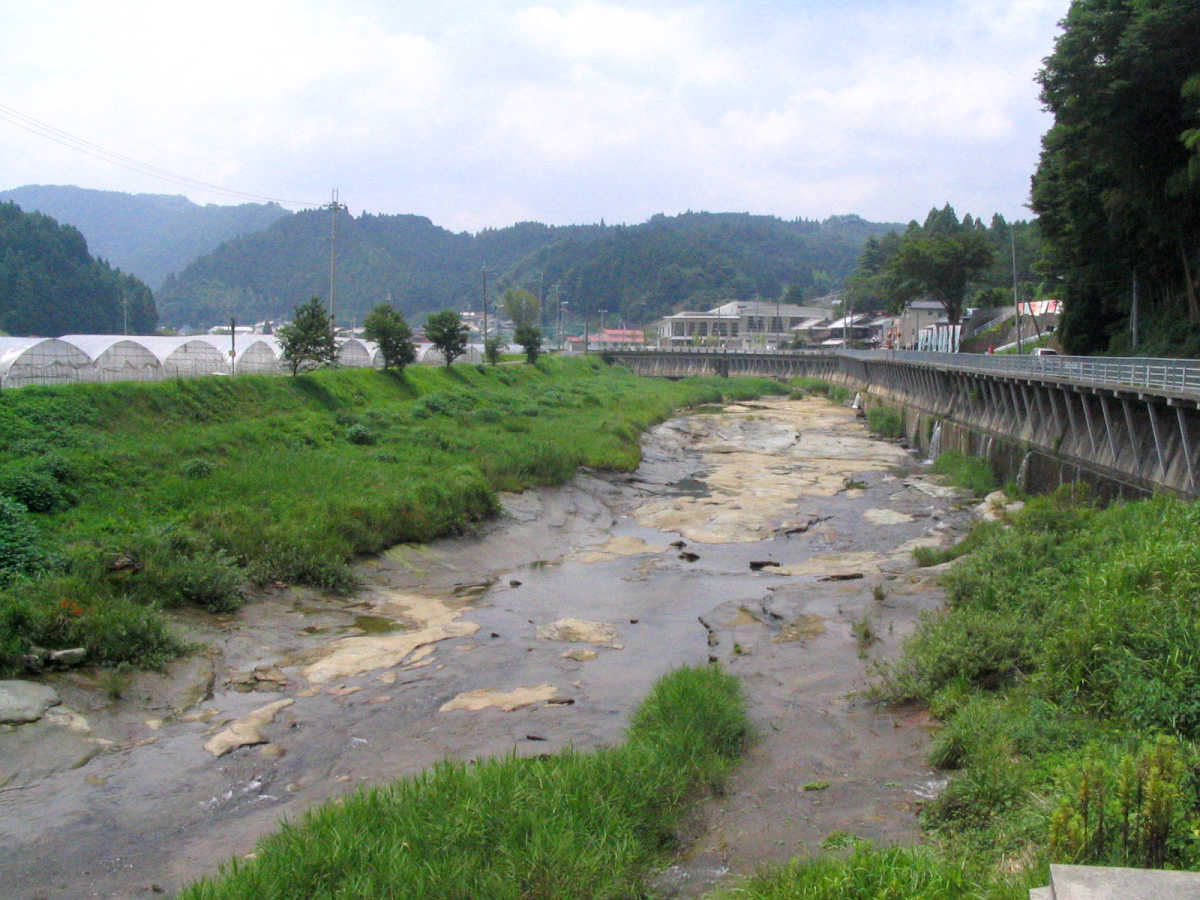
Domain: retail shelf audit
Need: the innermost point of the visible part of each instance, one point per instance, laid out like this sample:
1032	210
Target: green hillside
634	272
51	285
149	235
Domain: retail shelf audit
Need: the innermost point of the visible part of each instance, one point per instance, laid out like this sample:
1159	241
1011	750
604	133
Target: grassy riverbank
1066	670
128	499
571	825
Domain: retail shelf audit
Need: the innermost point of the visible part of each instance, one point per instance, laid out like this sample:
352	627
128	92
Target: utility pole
483	269
541	299
333	207
1133	311
232	345
1016	303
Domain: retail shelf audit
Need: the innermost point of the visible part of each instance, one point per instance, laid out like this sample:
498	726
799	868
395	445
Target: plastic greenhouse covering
114	357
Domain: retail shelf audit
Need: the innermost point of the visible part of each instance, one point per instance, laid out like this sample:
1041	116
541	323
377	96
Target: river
773	536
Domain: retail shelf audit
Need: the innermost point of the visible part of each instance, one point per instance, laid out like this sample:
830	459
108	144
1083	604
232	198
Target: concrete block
1105	883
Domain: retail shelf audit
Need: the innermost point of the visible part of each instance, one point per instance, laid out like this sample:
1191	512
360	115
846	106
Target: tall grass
871	873
1068	651
134	497
571	825
885	422
969	472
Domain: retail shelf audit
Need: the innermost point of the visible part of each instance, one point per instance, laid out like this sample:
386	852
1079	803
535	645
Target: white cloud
563	111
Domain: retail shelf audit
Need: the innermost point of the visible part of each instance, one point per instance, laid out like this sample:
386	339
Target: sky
482	114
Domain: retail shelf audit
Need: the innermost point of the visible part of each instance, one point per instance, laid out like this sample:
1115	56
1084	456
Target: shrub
885	422
35	488
968	472
487	416
196	468
20	554
1136	808
360	434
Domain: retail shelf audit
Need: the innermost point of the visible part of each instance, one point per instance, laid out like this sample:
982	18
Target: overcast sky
481	114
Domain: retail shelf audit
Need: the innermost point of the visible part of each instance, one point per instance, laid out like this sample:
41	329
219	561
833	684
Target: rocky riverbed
775	537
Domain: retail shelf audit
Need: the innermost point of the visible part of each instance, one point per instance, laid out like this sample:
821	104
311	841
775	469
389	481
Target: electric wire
66	139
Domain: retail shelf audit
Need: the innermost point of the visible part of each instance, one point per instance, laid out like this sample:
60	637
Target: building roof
735	309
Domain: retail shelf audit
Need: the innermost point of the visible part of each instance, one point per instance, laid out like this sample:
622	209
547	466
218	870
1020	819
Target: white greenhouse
116	357
185	357
257	356
427	354
356	354
34	360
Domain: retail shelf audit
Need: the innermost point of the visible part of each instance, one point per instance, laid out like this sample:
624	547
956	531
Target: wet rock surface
25	701
541	631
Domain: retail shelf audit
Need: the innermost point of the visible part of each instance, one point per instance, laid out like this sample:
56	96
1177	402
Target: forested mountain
696	260
636	272
51	285
1117	188
403	258
148	235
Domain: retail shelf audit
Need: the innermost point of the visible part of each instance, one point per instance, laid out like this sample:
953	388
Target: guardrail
1167	375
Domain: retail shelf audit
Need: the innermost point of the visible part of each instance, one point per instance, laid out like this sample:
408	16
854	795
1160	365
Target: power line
89	148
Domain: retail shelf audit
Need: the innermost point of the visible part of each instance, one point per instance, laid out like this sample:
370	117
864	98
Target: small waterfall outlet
935	441
1023	472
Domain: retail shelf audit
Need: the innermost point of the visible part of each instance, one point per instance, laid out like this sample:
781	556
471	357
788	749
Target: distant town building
610	339
740	323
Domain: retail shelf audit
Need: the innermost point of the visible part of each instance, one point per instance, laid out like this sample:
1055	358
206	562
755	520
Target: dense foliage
447	331
636	272
529	339
1117	188
147	235
50	285
387	327
959	264
307	341
1066	667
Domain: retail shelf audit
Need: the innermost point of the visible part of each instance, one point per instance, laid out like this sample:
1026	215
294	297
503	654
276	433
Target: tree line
635	272
308	341
1117	187
957	262
51	285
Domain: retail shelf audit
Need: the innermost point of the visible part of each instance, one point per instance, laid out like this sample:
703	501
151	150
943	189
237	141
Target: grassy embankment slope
119	501
1066	670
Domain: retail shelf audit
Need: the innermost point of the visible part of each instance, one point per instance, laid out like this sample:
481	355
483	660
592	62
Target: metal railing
1165	375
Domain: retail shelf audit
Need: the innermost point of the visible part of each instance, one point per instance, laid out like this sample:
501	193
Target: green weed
564	826
969	472
885	422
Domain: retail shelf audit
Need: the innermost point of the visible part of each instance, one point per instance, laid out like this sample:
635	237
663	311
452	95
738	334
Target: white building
742	323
